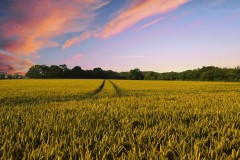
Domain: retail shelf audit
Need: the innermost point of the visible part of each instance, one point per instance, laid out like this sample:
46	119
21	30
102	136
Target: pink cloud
78	39
136	12
32	26
74	60
11	64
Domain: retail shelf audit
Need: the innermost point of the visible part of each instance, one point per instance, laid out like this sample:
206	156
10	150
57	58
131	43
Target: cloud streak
138	11
11	64
135	12
79	39
150	23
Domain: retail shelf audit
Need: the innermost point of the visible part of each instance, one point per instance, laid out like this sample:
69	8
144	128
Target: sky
119	35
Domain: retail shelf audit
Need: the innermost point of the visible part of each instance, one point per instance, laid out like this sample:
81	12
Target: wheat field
119	119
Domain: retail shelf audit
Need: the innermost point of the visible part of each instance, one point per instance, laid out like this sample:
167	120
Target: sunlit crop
97	119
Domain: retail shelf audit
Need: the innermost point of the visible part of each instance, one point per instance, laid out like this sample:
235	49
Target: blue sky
157	35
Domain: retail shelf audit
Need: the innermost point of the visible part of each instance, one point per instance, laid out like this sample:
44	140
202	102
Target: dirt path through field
117	89
98	90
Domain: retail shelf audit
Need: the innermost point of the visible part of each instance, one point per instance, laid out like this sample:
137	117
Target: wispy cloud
32	25
138	12
12	64
79	39
74	60
135	12
150	23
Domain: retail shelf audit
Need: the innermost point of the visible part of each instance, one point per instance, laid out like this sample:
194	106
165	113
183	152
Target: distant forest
209	73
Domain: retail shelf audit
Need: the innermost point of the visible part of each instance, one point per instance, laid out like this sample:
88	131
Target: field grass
117	119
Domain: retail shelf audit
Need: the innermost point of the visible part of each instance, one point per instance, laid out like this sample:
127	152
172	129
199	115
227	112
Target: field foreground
117	119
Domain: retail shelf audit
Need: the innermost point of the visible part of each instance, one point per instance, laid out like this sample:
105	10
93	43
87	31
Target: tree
150	75
237	71
37	71
230	75
212	74
111	74
3	75
54	72
208	73
16	76
191	75
76	72
136	74
124	75
98	73
9	76
65	71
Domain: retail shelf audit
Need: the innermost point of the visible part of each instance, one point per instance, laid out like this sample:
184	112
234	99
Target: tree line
209	73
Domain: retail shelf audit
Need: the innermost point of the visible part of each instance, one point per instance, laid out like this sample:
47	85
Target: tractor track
117	89
96	91
35	101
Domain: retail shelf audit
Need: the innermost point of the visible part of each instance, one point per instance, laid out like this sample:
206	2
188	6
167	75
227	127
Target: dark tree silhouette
136	74
3	75
76	72
38	71
209	73
55	71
